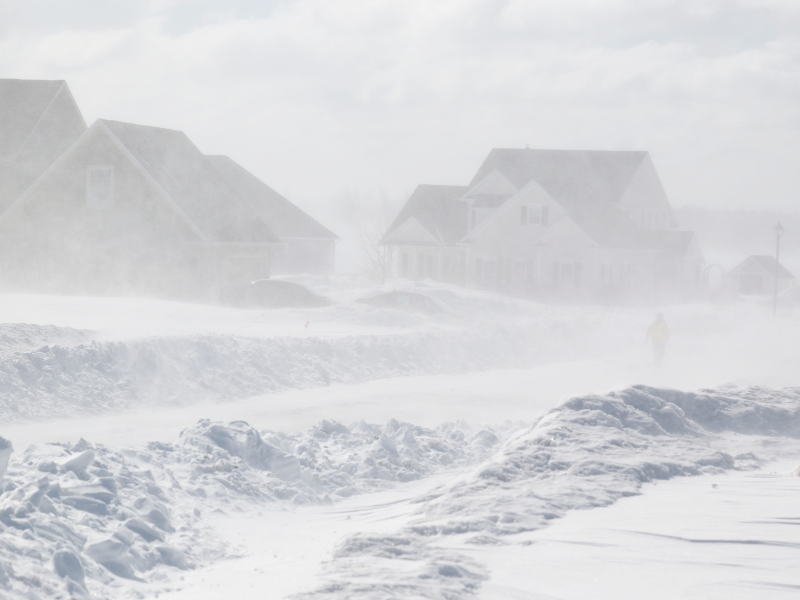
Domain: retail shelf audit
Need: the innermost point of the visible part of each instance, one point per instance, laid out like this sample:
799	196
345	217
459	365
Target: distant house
306	245
121	208
549	222
39	120
132	208
755	275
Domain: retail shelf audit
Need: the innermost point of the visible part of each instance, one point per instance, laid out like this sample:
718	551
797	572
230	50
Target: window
405	265
420	266
566	274
431	267
536	214
100	187
523	215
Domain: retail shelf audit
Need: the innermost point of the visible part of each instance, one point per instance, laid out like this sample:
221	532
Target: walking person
658	335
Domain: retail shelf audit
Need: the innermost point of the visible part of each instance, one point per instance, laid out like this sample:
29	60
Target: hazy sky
322	96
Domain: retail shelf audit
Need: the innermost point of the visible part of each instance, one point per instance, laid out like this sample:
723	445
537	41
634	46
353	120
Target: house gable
194	187
413	233
438	208
39	121
507	216
645	200
565	233
97	147
763	265
494	184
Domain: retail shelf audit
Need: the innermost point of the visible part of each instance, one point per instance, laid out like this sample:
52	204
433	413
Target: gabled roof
674	244
489	200
767	263
572	177
588	184
189	179
284	218
439	209
22	105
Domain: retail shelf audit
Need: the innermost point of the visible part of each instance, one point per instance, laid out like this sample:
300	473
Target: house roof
439	209
489	200
674	243
22	104
283	217
588	183
767	263
196	187
571	177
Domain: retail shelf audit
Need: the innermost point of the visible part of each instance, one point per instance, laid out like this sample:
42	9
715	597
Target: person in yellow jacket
658	335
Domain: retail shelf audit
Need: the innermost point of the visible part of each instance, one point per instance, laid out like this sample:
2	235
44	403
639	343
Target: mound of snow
23	336
587	452
79	519
58	381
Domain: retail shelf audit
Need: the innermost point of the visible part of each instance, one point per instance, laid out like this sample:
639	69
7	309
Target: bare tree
378	258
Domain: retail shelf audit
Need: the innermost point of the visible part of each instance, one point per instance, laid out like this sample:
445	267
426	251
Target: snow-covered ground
378	454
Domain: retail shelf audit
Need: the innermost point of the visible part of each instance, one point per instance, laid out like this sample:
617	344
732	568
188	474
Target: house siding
54	242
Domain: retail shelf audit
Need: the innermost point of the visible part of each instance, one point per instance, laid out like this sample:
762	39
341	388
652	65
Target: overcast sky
322	96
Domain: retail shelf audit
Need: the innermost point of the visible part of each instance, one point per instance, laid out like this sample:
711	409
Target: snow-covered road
500	519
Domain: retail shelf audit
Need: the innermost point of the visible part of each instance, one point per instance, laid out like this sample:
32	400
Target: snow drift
58	381
587	452
84	519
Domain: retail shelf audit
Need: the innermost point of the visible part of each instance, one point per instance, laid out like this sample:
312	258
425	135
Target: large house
563	222
121	208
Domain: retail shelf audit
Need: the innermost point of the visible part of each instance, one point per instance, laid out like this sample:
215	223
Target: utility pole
778	233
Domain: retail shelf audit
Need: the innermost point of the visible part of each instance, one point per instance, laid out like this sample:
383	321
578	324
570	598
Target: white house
755	276
549	222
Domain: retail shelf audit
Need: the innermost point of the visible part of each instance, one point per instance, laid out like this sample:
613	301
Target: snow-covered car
275	293
407	301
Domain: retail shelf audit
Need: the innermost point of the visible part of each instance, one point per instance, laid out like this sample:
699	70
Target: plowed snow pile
588	452
88	379
85	520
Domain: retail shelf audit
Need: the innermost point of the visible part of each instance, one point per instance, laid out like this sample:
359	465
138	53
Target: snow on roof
22	104
588	183
187	176
283	217
766	263
571	177
439	209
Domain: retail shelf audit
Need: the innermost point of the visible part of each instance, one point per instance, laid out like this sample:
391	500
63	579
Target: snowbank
87	379
587	452
87	520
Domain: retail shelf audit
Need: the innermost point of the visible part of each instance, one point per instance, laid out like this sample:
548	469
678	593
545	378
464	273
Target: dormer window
534	214
100	187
